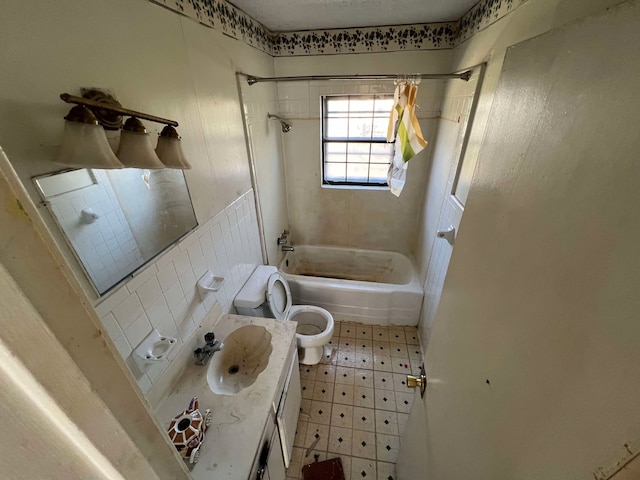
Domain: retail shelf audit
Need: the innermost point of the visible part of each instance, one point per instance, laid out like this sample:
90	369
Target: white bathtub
366	286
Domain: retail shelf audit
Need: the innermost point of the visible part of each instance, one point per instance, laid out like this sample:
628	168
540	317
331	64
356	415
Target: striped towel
404	127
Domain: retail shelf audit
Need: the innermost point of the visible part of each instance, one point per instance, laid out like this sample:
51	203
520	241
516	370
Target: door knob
419	381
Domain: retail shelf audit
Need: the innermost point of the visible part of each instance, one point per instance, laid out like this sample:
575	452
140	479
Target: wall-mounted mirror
117	220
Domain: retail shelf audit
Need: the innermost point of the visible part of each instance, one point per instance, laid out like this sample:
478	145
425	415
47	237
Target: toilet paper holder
449	235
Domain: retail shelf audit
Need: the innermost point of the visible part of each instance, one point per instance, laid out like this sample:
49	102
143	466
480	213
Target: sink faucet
204	354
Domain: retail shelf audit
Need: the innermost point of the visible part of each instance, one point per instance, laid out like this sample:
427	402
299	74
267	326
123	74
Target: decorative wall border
232	21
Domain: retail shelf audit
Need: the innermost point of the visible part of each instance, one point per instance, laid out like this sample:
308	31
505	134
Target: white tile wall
164	295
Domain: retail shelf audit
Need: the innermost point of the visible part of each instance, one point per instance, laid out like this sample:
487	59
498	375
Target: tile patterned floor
355	403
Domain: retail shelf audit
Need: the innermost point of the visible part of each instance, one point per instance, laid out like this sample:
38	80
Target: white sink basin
244	356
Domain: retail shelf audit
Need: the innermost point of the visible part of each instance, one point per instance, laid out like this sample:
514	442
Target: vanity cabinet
276	444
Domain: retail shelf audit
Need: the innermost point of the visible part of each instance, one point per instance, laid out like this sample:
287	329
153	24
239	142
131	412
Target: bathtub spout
288	248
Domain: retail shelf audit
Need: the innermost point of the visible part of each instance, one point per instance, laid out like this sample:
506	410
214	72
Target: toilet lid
278	296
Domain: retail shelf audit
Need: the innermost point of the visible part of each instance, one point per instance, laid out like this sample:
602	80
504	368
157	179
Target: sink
244	356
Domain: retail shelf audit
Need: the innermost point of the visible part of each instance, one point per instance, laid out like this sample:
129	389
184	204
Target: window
354	139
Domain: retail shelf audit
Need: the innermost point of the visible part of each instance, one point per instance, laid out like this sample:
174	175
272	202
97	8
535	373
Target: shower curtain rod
423	76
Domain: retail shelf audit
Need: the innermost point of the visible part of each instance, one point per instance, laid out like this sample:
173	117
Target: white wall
167	65
370	219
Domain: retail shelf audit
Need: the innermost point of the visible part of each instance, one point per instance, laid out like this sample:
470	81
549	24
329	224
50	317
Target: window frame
324	140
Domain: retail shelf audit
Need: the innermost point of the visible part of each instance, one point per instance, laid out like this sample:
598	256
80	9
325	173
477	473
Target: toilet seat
278	296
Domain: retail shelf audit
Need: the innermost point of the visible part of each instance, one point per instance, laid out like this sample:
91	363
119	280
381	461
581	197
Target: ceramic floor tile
364	361
381	333
346	359
342	415
398	350
320	413
343	394
305	410
416	364
386	422
363	397
381	348
317	432
295	467
314	456
346	463
383	380
348	330
412	337
308	371
402	422
403	401
307	388
347	345
364	419
301	434
397	335
364	346
400	382
385	400
402	365
364	332
387	447
363	378
386	471
323	392
363	444
414	352
340	440
330	355
382	363
326	373
363	469
345	375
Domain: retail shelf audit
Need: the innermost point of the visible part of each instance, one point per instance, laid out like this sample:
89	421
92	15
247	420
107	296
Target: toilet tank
251	299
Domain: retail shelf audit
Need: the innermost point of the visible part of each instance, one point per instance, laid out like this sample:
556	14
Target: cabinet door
275	465
289	410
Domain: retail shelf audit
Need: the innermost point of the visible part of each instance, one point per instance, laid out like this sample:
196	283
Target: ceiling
292	15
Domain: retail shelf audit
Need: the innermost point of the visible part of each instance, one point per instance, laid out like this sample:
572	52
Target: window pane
380	125
335	172
357	172
340	104
381	152
382	106
337	128
358	152
360	128
336	150
363	105
378	173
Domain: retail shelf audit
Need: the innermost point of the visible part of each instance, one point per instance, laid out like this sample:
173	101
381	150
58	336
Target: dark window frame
325	140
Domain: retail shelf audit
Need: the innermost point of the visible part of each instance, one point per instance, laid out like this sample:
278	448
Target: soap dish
209	283
153	349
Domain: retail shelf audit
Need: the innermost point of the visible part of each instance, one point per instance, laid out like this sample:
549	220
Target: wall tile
164	295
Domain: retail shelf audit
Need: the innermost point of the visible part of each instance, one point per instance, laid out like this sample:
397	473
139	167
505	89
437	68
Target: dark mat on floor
327	470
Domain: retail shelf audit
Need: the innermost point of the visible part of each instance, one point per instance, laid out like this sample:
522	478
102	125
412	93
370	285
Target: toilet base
310	355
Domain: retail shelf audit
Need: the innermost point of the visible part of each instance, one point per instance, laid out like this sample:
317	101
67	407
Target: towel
404	127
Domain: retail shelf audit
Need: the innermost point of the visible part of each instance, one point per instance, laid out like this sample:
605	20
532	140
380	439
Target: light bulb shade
85	145
169	149
135	148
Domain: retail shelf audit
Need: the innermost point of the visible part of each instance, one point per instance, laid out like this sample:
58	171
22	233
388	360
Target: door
535	353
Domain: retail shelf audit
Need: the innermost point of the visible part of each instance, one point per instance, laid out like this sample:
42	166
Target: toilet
266	294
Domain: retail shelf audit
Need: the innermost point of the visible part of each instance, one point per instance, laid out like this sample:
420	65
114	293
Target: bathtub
366	286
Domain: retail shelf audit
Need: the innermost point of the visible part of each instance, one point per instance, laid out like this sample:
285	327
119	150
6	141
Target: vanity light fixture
89	148
135	148
85	142
169	149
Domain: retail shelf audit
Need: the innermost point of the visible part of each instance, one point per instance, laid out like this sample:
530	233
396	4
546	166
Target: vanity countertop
232	440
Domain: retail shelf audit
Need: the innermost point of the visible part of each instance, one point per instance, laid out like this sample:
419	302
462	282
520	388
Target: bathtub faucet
288	248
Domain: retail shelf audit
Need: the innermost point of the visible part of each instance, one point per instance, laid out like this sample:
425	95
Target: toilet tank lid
254	292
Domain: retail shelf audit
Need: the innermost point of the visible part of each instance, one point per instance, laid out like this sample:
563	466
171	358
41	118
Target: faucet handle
209	338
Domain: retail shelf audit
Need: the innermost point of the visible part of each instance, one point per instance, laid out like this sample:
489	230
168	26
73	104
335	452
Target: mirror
117	220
